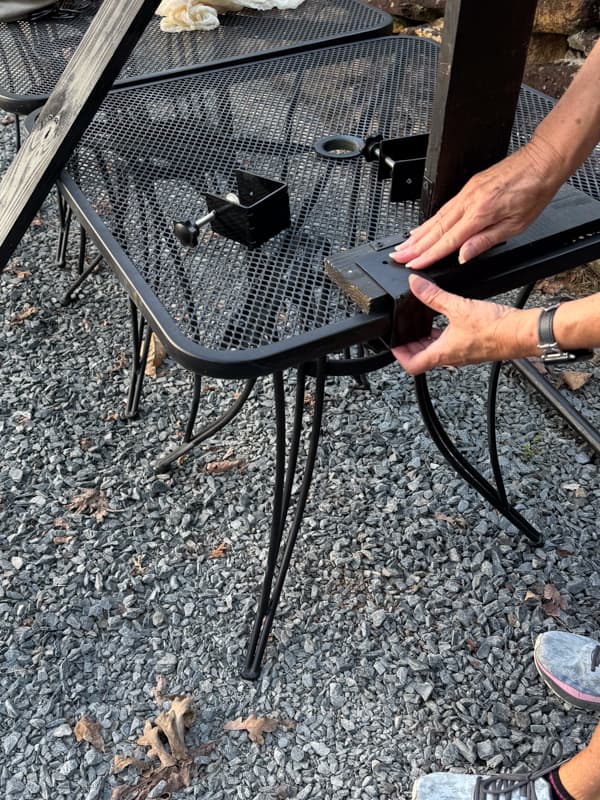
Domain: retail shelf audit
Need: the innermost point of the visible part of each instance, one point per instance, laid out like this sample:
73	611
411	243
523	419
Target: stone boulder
553	16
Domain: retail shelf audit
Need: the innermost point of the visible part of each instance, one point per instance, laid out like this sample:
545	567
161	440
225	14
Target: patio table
221	309
34	54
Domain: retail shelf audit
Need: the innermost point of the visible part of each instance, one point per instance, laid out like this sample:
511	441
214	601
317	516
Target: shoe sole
566	692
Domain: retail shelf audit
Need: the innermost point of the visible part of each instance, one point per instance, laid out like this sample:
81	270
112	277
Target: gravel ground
404	638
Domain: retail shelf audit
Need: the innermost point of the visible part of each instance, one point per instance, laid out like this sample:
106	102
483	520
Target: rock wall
564	33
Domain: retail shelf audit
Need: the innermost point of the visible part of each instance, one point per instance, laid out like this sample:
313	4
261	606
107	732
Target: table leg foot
465	468
280	554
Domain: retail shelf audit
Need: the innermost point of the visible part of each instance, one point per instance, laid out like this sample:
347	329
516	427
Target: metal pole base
279	557
495	496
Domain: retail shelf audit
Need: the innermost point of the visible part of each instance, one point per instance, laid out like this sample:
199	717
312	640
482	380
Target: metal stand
83	271
280	555
191	439
496	496
141	334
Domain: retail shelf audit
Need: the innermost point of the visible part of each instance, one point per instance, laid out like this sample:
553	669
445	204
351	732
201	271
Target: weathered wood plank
103	51
482	59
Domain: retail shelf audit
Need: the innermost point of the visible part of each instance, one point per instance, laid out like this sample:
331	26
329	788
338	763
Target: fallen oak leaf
254	726
219	551
575	379
156	356
91	501
20	318
86	730
122	762
553	602
219	467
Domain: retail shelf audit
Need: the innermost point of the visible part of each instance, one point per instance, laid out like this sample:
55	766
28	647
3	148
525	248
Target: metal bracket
259	211
402	160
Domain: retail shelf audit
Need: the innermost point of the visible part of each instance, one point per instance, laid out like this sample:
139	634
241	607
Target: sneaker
570	665
453	786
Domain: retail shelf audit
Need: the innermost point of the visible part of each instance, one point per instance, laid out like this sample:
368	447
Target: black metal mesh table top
154	150
33	54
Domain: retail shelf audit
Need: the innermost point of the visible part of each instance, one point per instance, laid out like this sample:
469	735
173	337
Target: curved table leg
141	336
280	555
193	440
465	468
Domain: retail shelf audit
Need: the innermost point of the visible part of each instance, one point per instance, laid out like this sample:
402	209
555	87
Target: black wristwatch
547	344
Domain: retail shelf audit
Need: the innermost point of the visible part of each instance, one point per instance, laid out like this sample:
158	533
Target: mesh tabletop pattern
33	54
154	150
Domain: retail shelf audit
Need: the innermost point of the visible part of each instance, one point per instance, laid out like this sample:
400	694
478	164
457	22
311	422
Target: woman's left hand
477	331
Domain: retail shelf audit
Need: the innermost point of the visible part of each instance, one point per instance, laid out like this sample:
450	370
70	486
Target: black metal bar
491	430
571	416
479	79
492	398
83	276
17	132
82	249
269	599
207	432
63	239
189	428
464	467
141	337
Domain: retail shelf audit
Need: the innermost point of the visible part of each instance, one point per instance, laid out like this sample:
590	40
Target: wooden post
482	59
90	74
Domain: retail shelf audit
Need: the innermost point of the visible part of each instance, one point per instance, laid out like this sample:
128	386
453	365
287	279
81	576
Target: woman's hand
477	331
493	206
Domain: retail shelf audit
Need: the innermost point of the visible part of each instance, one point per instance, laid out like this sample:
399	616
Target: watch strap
547	344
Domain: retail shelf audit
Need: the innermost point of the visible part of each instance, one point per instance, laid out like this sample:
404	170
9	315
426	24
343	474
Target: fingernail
462	259
417	283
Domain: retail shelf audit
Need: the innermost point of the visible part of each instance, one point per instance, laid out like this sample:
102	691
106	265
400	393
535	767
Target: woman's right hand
493	206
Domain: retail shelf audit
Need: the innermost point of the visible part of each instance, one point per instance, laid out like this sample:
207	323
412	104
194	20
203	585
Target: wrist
524	329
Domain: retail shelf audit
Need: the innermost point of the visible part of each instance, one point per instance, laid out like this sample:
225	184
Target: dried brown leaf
122	762
551	286
61	522
309	400
553	602
62	539
457	520
85	443
91	501
87	730
564	553
219	467
471	645
7	119
532	596
156	356
219	551
254	726
575	379
20	318
538	364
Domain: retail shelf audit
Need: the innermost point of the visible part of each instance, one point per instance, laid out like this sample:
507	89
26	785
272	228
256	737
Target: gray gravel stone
402	643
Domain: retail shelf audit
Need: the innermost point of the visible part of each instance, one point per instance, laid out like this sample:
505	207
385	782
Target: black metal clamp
402	160
258	211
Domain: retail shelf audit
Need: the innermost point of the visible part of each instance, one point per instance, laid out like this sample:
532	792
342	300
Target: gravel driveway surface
404	638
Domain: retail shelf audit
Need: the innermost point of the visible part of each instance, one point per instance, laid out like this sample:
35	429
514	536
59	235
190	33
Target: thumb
431	295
